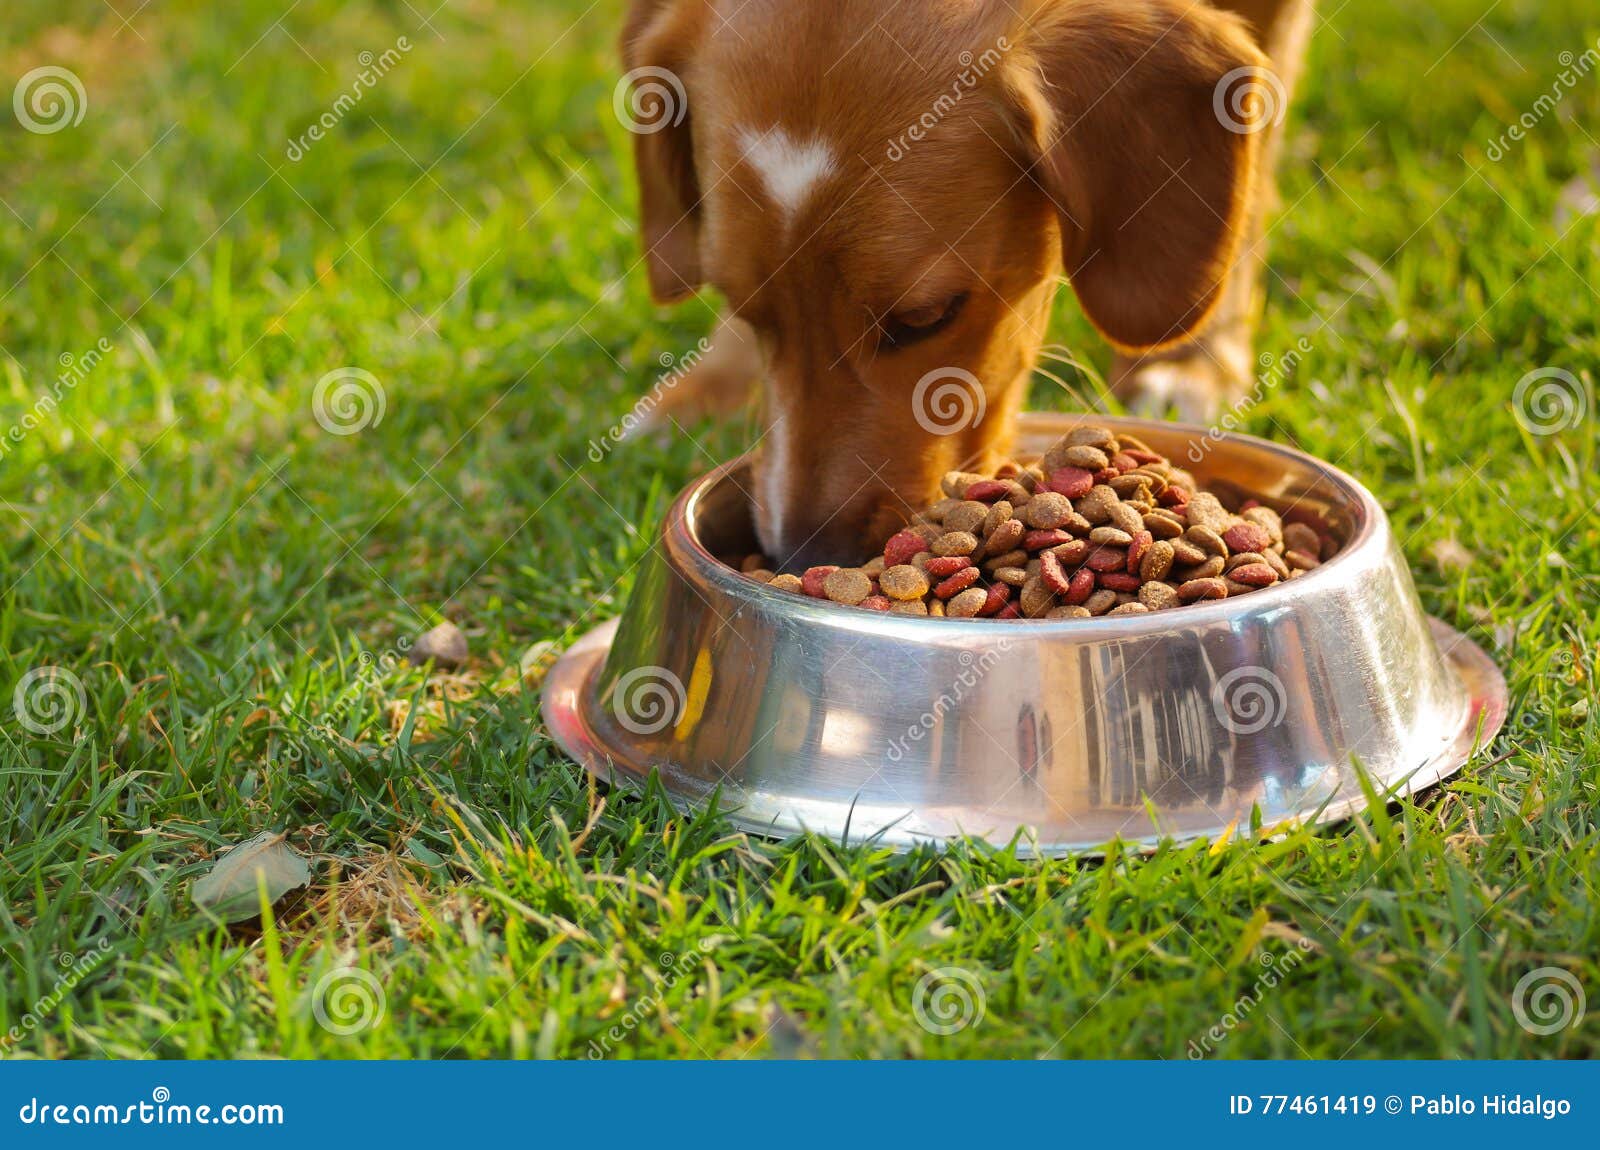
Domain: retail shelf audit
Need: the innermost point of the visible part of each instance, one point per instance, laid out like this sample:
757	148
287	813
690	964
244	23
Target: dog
887	196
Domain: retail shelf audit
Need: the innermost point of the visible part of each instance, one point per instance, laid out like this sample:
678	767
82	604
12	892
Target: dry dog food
1101	525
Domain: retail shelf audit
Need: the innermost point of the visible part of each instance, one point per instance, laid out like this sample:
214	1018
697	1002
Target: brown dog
888	194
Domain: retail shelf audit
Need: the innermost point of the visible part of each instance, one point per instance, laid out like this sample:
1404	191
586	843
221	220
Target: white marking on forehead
788	168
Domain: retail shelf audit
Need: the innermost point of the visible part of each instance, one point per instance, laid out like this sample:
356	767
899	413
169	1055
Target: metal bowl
1261	711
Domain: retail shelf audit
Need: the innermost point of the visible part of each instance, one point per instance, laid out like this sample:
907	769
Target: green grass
224	577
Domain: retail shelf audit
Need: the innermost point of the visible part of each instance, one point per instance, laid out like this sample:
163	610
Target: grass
225	578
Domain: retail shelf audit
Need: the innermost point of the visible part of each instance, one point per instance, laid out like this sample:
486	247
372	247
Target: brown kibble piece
997	514
1096	506
1134	608
1300	537
1159	596
787	583
1004	537
955	543
1197	589
967	604
848	585
955	483
903	582
965	516
1047	510
1100	602
1110	537
909	607
1157	561
1086	457
1067	613
1036	598
1208	541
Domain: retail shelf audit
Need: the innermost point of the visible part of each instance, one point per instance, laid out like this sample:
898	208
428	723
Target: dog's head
889	195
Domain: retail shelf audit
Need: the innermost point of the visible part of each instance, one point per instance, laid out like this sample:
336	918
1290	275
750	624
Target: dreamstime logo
1274	969
74	370
973	69
1548	401
649	99
1274	370
948	999
76	968
1249	99
676	369
348	400
674	967
48	99
648	700
1574	67
373	68
1248	700
973	669
348	1000
1547	1000
948	400
48	699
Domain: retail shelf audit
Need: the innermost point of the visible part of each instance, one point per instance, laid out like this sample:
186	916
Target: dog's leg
1201	376
718	383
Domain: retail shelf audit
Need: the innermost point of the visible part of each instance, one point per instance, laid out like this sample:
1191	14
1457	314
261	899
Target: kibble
1102	526
848	586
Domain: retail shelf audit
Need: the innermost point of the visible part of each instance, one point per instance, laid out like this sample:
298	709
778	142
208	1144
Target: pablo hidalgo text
1492	1105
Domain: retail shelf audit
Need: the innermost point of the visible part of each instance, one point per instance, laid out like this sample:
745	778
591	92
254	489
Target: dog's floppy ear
658	44
1130	120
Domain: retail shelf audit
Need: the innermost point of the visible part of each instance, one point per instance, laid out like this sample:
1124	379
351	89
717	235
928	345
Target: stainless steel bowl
1071	734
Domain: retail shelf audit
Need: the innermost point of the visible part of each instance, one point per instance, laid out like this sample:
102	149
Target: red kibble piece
876	603
1108	559
1249	505
957	583
1053	574
1081	588
1120	581
1242	537
811	582
1123	462
945	565
901	547
986	490
1174	496
1038	540
1106	474
1142	541
1073	482
1010	611
999	595
1254	575
1142	456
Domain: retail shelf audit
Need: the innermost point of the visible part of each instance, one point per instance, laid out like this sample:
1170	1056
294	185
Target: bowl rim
1372	525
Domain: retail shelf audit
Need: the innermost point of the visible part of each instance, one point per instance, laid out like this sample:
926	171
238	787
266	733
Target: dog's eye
907	327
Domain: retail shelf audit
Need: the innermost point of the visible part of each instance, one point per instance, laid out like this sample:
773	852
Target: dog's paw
1198	381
